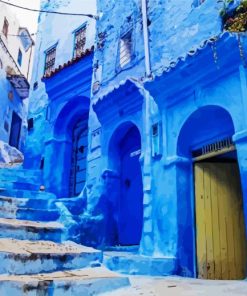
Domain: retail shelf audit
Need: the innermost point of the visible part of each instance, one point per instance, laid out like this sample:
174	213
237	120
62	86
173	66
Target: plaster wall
177	27
13	43
10	101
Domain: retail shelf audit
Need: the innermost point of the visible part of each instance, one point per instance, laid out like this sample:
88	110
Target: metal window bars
80	42
125	51
50	60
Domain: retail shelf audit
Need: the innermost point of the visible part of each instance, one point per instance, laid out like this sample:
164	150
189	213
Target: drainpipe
145	36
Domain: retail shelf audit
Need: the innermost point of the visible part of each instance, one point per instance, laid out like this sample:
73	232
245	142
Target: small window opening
30	124
35	85
197	3
42	163
19	59
5	29
80	41
125	51
50	59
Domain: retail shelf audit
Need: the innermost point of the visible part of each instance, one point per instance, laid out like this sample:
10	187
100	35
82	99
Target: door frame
228	146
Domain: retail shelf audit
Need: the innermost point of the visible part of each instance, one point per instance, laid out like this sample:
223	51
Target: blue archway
124	153
204	126
59	148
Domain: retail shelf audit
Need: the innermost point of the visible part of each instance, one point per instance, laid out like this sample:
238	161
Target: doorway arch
208	185
124	153
61	148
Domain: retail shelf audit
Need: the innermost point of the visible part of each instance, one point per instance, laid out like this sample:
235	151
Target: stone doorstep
86	282
136	264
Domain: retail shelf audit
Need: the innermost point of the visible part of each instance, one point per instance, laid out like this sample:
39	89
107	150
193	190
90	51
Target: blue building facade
146	132
166	104
60	99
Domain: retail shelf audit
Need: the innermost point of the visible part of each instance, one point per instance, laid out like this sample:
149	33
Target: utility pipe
145	37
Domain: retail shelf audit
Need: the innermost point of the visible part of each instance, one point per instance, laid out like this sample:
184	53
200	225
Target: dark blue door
131	199
79	158
15	130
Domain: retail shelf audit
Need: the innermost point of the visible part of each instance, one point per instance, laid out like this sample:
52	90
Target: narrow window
156	140
5	29
50	59
80	41
19	59
30	124
197	3
125	49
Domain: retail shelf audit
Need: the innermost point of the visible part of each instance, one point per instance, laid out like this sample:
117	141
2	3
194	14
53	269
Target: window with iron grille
50	59
125	49
80	41
5	29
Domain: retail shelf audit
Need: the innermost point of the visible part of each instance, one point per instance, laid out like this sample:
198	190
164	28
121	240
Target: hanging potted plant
234	16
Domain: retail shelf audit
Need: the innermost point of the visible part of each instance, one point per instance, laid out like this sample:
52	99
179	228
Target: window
80	41
5	29
19	59
26	40
156	140
50	59
1	64
125	49
197	3
30	124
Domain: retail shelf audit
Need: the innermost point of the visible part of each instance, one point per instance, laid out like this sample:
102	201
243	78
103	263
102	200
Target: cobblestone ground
175	286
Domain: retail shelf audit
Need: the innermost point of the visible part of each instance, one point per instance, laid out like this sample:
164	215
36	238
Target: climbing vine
234	17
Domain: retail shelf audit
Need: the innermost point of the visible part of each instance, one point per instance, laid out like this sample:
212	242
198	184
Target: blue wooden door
15	130
79	158
131	199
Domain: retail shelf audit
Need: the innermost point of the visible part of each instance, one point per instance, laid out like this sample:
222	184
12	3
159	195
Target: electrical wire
49	11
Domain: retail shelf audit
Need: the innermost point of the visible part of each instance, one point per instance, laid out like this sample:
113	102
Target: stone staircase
36	256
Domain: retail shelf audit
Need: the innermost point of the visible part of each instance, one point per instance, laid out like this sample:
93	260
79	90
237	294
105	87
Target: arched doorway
205	140
65	154
125	149
79	157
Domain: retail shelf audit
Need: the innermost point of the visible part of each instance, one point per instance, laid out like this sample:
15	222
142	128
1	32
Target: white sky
27	18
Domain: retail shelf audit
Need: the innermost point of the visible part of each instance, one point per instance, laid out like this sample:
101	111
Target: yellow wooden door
220	228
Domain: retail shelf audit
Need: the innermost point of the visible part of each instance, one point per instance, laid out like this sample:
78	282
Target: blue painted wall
56	102
192	68
196	95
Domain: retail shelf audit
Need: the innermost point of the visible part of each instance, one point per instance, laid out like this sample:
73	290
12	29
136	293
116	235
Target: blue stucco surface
139	187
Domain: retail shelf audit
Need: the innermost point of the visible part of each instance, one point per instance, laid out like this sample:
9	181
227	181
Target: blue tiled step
86	282
28	257
22	229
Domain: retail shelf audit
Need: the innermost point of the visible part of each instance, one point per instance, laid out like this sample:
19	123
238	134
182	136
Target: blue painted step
28	257
30	230
83	282
11	211
21	193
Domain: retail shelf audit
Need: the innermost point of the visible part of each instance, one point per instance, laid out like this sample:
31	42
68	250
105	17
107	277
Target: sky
27	19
